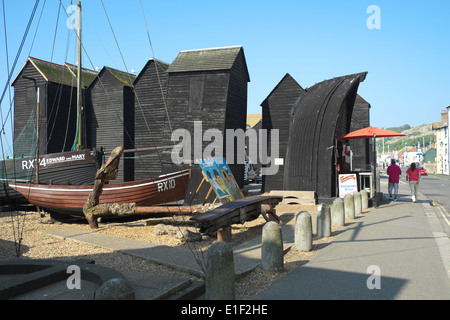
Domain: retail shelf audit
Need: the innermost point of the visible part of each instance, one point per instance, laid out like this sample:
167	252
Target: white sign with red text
347	184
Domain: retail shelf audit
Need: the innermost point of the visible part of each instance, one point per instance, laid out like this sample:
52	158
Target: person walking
413	176
394	173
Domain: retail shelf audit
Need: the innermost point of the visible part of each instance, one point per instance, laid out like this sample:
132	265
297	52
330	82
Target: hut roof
314	125
287	77
125	78
211	59
61	74
163	65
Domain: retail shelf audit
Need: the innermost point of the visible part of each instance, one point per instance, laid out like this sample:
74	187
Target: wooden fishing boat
76	167
70	199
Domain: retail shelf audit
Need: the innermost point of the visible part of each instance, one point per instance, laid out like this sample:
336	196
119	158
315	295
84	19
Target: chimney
444	116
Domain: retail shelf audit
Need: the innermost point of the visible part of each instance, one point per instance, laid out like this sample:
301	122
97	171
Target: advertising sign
347	184
219	175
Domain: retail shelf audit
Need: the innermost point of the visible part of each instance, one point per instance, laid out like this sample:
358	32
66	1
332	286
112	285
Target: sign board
222	181
347	184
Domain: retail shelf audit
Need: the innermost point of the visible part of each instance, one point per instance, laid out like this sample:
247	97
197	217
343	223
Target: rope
56	30
20	50
157	72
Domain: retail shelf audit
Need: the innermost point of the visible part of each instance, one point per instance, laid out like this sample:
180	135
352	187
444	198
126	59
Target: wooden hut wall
25	96
150	89
56	129
208	107
61	117
319	117
212	90
360	147
112	116
236	111
277	111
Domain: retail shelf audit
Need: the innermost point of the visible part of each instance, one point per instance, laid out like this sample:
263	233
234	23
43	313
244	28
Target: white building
448	142
441	134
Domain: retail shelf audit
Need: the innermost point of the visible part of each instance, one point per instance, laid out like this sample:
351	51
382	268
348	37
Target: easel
207	195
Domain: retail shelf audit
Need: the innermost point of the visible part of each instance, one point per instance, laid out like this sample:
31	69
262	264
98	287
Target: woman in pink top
413	176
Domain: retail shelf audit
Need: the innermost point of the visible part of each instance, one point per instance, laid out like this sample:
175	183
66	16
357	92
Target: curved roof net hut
319	117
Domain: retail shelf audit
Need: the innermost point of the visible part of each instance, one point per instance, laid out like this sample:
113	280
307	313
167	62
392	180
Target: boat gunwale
107	187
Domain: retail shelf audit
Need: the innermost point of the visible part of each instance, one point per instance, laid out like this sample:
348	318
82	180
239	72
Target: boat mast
37	135
78	145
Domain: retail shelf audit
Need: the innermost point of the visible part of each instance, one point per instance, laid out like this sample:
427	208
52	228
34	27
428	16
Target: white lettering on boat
43	162
166	185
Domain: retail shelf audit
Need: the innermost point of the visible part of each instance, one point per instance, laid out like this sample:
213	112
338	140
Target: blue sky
407	59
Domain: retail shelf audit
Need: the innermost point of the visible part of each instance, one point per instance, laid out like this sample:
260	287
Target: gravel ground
35	245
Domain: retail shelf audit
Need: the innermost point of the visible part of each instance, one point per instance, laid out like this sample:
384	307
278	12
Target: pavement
396	251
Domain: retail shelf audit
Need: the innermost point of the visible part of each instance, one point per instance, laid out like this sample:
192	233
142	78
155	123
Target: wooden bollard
303	231
349	206
272	247
357	201
338	213
364	200
220	275
323	228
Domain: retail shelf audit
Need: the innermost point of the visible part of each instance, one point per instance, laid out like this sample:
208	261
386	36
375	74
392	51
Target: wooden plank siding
319	117
360	147
112	117
207	86
57	104
150	88
276	113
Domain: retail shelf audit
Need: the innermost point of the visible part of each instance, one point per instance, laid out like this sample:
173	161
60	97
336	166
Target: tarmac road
433	187
436	187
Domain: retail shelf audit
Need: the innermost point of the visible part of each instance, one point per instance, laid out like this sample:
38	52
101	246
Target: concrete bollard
114	289
357	201
303	231
272	247
323	221
364	200
349	206
338	213
220	275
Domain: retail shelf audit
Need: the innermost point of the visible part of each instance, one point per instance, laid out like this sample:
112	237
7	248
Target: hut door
196	90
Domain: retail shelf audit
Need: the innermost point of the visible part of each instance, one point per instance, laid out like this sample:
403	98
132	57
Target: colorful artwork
219	175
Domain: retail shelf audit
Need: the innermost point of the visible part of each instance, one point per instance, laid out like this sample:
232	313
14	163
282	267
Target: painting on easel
218	174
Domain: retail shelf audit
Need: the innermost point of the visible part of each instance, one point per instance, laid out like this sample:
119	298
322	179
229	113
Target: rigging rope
157	72
20	50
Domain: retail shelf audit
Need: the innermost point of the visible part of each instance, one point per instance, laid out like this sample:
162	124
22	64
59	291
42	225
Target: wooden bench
236	212
296	197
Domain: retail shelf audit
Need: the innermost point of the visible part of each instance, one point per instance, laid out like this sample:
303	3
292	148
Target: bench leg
224	234
269	213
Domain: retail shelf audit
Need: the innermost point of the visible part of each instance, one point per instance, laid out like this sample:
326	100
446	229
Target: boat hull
70	199
78	167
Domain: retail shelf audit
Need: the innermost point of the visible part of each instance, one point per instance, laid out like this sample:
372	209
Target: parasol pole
374	182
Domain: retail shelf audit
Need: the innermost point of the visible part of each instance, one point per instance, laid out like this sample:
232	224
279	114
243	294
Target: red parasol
371	132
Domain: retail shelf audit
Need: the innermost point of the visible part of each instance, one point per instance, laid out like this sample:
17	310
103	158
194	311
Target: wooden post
224	234
37	135
107	172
